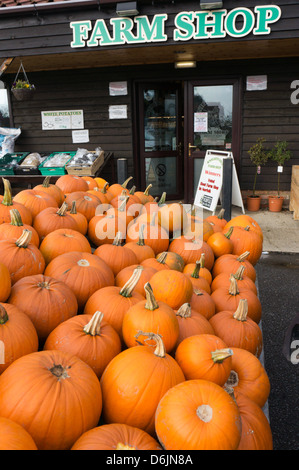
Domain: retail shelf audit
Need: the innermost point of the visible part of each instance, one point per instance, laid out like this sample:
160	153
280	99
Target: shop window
5	118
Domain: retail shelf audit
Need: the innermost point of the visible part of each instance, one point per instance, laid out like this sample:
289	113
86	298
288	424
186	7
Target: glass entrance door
213	123
160	138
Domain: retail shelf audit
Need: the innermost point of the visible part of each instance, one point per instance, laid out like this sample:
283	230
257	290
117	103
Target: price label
279	169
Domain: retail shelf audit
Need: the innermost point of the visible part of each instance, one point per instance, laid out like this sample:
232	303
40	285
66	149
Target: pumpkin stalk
16	218
118	239
7	197
151	303
160	348
141	236
221	214
62	210
123	204
3	315
73	208
24	239
93	327
239	273
46	182
243	256
127	289
125	183
219	355
242	311
233	288
146	192
229	233
162	258
195	273
104	188
184	311
162	199
60	372
202	260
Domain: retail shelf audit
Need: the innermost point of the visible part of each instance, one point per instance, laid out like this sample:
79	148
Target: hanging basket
22	89
23	94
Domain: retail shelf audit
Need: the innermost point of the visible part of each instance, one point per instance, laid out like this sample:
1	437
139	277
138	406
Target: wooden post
122	170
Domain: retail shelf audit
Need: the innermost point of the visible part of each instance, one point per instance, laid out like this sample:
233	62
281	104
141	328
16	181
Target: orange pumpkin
145	196
198	281
71	183
228	299
15	228
139	247
197	228
173	261
172	287
206	357
153	316
134	382
203	303
51	189
35	201
203	271
217	220
21	257
7	203
90	180
244	239
86	203
223	280
221	243
116	255
191	323
101	182
5	285
103	228
89	337
249	377
198	415
46	301
17	333
25	397
156	263
238	330
230	263
146	273
51	219
62	241
121	211
116	436
154	235
116	189
172	217
244	220
14	437
191	250
82	223
115	301
83	272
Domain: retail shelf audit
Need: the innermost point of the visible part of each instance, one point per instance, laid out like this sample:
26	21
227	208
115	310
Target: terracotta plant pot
253	203
275	203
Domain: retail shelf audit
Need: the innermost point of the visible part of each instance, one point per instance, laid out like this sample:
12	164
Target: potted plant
280	155
258	156
23	90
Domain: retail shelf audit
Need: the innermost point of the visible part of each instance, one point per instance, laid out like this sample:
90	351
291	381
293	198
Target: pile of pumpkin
127	322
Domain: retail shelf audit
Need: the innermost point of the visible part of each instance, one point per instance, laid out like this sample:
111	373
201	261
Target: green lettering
80	32
184	26
265	15
248	22
123	30
210	24
151	32
100	35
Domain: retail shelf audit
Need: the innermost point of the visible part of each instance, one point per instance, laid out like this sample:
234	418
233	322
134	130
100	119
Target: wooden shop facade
156	83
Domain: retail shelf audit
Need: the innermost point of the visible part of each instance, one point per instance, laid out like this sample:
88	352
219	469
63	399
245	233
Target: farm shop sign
196	25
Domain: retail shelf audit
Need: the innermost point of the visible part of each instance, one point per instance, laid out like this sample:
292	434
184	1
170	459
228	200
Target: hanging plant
22	90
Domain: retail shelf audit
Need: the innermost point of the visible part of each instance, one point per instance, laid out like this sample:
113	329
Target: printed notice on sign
210	183
200	122
58	120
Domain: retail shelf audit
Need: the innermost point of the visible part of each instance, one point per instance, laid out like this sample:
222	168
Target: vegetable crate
9	160
55	170
87	170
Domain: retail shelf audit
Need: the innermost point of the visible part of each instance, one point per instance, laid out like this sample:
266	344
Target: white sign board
80	137
118	111
211	180
58	120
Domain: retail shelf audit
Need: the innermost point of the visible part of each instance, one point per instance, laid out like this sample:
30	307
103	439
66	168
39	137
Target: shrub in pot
280	155
258	156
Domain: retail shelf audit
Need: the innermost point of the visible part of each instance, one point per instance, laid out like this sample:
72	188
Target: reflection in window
159	120
4	109
161	173
213	116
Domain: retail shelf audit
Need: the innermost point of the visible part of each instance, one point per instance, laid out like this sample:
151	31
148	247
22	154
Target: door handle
191	147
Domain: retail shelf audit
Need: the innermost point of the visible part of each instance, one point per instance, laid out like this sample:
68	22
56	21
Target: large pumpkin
83	272
14	437
86	203
5	285
203	303
191	250
172	217
157	263
116	255
203	271
89	337
17	333
245	239
156	236
103	228
204	356
115	301
244	220
140	248
21	257
191	323
134	382
249	377
238	330
116	436
146	273
145	196
197	280
153	316
62	241
7	203
223	280
198	415
15	228
221	243
55	396
71	183
172	287
231	263
82	223
51	189
45	300
51	219
35	201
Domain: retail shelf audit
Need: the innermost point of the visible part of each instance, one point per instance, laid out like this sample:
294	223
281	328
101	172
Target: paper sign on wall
80	137
58	120
256	83
118	88
118	111
200	122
